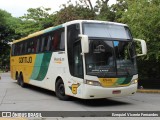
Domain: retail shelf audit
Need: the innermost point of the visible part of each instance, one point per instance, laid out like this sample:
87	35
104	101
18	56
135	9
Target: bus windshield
106	31
111	58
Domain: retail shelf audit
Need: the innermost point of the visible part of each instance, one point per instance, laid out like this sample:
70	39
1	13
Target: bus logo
74	88
25	59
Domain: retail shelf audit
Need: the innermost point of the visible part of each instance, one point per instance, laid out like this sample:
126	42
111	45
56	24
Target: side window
57	40
74	51
45	48
13	50
49	42
38	48
23	48
18	48
34	45
26	47
42	44
62	41
30	46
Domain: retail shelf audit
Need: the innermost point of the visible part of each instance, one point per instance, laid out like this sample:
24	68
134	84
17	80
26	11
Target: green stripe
127	80
123	81
44	66
36	69
120	80
41	66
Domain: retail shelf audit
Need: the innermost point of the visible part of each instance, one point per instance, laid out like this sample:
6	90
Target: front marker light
91	82
134	81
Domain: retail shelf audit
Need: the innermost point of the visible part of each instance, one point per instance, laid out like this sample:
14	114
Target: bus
86	59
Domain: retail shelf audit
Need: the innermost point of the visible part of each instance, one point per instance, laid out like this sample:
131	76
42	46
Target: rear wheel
16	77
60	90
20	80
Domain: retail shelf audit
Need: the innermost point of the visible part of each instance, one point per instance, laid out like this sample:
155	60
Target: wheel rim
61	89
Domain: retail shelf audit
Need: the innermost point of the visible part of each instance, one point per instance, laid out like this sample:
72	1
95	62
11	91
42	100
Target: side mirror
143	46
84	43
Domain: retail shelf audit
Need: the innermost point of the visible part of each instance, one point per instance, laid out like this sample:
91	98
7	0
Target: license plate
116	91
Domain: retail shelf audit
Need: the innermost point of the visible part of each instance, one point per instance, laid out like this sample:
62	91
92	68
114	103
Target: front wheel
60	90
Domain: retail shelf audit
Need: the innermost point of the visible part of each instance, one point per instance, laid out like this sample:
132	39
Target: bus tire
20	81
16	77
60	90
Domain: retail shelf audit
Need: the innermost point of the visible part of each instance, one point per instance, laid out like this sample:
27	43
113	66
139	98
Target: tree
7	34
35	20
118	9
144	20
40	16
5	27
71	12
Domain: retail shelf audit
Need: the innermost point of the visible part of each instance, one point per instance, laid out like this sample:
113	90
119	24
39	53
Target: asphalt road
15	98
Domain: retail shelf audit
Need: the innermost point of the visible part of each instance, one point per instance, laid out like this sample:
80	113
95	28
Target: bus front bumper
95	92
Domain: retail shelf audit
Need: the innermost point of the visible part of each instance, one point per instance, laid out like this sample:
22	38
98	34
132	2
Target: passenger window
42	44
62	41
49	43
58	41
45	44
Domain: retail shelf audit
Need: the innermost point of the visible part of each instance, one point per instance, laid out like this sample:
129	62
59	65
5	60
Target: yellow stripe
107	82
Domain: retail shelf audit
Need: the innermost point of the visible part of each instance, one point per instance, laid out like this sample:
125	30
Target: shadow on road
92	102
100	102
39	90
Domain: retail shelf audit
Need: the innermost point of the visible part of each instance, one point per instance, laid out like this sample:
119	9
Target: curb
148	91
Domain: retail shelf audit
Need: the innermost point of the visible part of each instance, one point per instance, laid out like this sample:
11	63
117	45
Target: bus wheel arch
60	89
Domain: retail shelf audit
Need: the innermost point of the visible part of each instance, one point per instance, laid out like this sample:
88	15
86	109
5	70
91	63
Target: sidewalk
148	90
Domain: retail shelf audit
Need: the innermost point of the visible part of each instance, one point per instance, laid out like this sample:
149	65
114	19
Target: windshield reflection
111	58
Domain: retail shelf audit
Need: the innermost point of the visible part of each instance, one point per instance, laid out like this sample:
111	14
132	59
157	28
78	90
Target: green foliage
104	11
36	19
6	34
118	9
6	30
71	12
144	20
40	16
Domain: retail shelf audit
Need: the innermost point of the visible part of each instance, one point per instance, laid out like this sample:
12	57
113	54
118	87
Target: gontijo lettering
25	59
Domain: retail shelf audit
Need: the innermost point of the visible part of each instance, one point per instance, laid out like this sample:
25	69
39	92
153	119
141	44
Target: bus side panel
22	64
56	65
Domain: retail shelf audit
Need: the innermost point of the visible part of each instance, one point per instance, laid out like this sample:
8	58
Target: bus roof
93	21
65	24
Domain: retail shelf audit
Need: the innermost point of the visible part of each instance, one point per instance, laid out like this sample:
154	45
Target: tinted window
52	41
74	51
106	30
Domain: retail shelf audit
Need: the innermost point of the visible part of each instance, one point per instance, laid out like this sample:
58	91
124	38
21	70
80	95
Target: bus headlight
91	82
134	81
